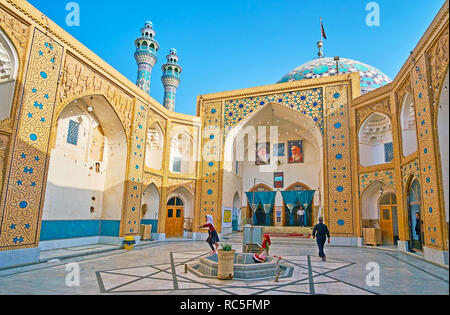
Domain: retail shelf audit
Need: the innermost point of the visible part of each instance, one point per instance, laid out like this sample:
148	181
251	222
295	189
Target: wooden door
175	218
386	224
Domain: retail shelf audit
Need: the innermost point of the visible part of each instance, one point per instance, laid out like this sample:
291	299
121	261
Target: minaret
171	79
145	55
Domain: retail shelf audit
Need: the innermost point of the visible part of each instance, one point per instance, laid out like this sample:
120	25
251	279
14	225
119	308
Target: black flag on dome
323	29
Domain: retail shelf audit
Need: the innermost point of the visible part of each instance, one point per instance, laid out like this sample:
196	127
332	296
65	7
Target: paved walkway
158	268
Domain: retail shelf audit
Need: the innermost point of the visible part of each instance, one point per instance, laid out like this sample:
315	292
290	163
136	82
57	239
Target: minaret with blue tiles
171	79
145	55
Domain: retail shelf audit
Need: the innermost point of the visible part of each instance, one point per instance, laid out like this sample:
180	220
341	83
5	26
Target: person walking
321	233
213	238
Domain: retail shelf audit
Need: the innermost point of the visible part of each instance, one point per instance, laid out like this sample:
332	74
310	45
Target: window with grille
72	134
389	152
176	164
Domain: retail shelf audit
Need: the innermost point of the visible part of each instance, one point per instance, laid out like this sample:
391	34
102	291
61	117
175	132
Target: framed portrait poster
279	150
263	154
295	149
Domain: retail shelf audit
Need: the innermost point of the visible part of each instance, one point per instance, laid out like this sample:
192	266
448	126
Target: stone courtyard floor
158	268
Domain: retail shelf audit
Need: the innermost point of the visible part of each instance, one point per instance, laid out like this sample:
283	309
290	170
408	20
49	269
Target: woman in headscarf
263	253
213	238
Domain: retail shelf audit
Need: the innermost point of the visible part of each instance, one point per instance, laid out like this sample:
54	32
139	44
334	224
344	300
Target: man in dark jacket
321	232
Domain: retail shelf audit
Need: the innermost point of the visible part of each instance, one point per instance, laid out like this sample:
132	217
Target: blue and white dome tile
371	78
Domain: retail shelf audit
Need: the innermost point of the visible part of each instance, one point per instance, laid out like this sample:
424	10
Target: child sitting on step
262	255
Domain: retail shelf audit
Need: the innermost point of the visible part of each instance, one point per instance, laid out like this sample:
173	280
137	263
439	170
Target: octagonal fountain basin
245	268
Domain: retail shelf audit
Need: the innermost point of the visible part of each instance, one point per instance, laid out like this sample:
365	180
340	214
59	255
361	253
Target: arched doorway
379	211
179	212
389	219
258	217
309	212
86	174
414	204
175	217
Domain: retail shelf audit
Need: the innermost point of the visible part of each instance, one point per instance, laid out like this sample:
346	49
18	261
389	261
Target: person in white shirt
301	217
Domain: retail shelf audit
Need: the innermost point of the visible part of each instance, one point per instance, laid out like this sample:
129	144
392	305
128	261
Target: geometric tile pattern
386	177
338	147
411	168
23	195
427	156
210	165
307	102
131	217
311	276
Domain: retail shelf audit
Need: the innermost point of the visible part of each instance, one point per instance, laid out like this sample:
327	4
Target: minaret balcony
170	80
145	57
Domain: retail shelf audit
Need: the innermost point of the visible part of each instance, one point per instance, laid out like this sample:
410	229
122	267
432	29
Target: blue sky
235	44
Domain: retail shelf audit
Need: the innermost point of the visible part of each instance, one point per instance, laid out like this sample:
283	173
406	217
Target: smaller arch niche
150	205
181	154
155	147
408	124
375	140
237	201
8	75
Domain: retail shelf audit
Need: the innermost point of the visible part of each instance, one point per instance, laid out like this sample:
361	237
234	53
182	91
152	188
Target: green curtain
267	200
253	200
305	198
293	199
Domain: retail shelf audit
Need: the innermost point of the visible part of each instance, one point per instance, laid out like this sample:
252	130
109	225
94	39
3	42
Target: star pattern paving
311	276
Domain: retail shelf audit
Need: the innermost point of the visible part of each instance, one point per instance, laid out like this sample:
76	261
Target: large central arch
290	126
86	178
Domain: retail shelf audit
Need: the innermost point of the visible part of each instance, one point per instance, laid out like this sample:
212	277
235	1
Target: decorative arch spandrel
78	80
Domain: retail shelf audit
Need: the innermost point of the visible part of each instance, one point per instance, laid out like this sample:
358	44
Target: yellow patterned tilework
308	102
23	197
427	156
386	177
338	156
412	168
134	188
210	164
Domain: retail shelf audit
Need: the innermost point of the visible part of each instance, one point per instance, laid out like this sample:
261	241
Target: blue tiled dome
371	78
